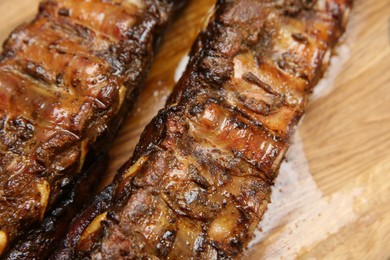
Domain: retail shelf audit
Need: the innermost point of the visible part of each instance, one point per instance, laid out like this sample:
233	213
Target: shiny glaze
66	81
200	178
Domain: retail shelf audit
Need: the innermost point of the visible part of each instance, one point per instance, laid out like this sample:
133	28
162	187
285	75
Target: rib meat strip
200	178
66	81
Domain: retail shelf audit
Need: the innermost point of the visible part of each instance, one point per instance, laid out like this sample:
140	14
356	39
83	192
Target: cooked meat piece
200	178
41	241
66	81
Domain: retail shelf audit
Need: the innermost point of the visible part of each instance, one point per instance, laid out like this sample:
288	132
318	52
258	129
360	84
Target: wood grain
339	208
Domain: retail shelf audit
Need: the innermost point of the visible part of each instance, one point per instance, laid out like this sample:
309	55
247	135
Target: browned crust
200	178
40	242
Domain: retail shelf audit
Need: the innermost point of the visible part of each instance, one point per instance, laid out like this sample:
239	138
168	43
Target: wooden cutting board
332	199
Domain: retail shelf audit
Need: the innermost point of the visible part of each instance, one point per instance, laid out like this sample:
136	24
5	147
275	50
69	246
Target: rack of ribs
67	79
200	178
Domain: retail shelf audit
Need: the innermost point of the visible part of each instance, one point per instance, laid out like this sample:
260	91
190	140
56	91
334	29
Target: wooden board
332	199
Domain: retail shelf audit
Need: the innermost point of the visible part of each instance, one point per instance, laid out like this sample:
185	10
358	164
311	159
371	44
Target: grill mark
76	21
234	110
43	86
35	70
207	145
234	153
53	92
253	116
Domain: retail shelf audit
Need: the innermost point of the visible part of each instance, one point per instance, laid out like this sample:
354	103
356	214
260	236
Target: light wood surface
332	199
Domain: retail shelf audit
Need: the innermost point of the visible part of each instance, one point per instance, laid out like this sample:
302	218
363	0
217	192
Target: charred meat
66	81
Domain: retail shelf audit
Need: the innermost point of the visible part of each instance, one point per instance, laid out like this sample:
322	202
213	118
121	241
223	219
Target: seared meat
66	81
201	176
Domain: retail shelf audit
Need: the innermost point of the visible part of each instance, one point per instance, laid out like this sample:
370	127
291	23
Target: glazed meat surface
200	178
66	81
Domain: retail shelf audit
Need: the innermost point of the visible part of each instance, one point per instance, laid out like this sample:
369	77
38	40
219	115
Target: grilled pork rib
66	81
201	176
40	241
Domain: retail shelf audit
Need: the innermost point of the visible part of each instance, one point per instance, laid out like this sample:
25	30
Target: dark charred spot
123	252
94	81
197	177
164	245
113	217
299	38
195	110
59	79
292	7
335	11
308	3
23	128
293	65
259	59
2	122
238	124
64	12
216	70
105	225
251	40
234	241
75	82
83	31
238	154
36	71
